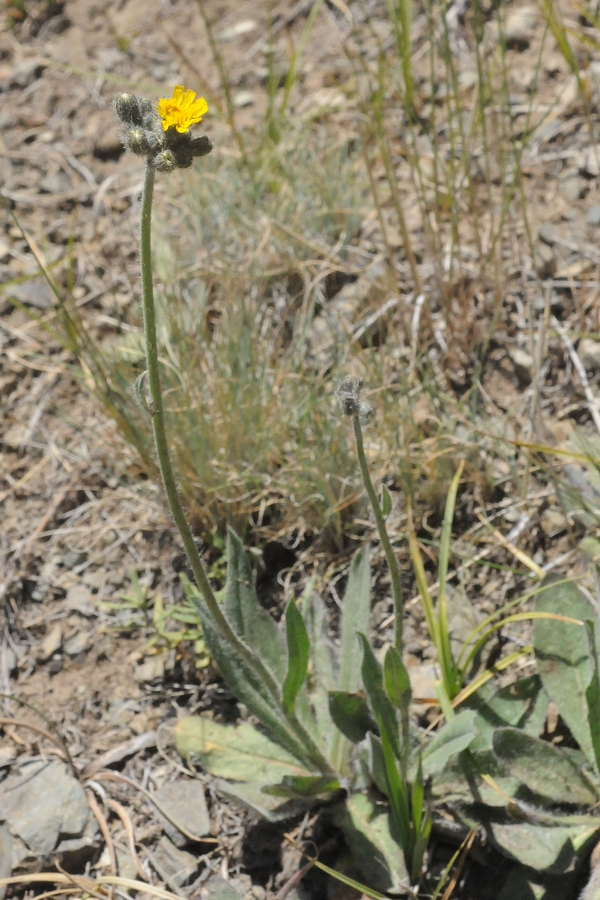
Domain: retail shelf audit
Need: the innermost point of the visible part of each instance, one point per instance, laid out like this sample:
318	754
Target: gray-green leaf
298	649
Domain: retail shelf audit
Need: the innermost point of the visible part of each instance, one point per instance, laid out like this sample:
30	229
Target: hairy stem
383	535
238	647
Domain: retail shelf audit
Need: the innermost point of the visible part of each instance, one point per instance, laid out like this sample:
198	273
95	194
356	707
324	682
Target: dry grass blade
90	885
128	825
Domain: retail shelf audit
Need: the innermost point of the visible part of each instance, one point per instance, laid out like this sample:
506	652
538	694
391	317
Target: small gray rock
216	888
179	865
77	643
79	599
589	354
544	261
185	803
34	293
593	214
46	813
520	27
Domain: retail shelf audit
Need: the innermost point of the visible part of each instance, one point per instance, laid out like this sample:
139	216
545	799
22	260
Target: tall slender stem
237	646
383	535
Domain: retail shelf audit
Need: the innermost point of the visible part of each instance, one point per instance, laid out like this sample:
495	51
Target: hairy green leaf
367	831
382	708
298	650
396	679
235	752
564	657
456	735
523	704
247	687
303	786
350	712
245	614
543	768
355	618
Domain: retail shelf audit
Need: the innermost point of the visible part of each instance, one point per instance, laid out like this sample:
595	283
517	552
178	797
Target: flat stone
77	643
549	234
553	522
179	865
79	599
589	354
46	813
150	669
216	888
34	293
593	215
185	803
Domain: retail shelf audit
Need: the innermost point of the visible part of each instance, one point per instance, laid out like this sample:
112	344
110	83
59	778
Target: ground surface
76	515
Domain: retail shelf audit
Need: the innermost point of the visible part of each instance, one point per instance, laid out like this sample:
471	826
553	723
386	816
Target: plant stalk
383	535
238	647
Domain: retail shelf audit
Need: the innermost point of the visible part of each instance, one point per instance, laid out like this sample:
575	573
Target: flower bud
200	146
164	161
136	140
127	108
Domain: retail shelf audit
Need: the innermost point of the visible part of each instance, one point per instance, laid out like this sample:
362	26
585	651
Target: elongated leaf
461	780
543	768
386	501
382	708
523	704
456	735
592	694
376	762
377	854
298	649
350	712
396	679
396	786
321	678
355	618
235	752
245	614
303	786
543	848
252	795
247	687
564	659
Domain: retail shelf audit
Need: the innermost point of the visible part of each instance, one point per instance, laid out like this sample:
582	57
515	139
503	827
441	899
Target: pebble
544	261
34	293
178	864
76	644
593	214
79	599
520	27
523	363
185	803
51	643
589	354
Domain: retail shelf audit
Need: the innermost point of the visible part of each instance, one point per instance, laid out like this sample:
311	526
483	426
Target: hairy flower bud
164	161
128	108
136	140
200	146
348	394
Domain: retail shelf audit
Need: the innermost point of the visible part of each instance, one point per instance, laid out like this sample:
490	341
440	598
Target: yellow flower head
182	110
